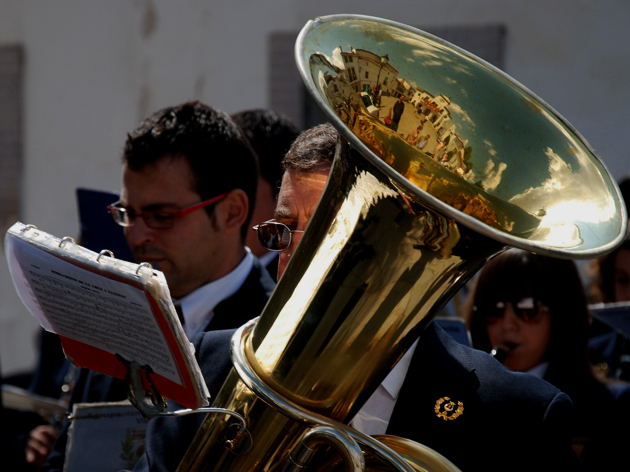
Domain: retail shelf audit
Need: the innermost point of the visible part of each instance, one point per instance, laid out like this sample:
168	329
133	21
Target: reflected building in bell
450	149
434	108
365	69
404	88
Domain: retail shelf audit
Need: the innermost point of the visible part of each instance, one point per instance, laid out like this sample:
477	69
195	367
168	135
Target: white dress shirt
198	306
374	417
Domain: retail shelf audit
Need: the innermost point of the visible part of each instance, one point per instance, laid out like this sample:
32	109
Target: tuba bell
401	226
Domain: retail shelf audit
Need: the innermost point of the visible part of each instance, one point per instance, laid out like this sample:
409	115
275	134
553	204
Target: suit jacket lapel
440	368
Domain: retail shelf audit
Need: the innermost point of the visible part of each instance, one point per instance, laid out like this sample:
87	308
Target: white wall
95	68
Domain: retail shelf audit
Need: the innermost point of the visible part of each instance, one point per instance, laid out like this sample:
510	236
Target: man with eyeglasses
508	421
188	192
189	189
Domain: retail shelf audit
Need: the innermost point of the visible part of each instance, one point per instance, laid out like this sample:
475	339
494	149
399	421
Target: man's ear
232	212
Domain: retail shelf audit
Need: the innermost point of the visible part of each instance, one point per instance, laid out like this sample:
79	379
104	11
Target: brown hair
312	149
271	135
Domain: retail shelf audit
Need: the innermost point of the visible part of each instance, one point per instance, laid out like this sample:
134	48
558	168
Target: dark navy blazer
234	311
510	421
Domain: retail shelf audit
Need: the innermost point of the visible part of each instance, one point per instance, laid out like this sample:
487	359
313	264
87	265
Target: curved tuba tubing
475	164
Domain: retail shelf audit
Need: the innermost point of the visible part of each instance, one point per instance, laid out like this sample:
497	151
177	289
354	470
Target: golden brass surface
402	225
419	457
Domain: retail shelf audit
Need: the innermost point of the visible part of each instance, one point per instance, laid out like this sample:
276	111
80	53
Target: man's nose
139	234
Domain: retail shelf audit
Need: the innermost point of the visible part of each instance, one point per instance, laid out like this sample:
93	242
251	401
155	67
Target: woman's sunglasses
527	309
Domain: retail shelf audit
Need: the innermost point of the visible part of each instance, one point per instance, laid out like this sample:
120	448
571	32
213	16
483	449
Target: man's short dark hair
271	135
220	158
313	148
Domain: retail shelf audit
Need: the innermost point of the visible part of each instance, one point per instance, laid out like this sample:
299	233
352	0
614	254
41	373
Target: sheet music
87	307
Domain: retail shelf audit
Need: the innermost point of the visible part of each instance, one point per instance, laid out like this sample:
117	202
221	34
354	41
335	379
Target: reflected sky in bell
512	135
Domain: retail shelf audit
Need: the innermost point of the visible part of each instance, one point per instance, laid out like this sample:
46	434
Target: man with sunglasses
188	192
508	421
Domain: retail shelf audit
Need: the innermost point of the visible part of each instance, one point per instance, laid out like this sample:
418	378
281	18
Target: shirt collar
198	306
394	380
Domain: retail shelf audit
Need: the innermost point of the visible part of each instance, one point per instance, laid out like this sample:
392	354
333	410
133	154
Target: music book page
102	307
104	436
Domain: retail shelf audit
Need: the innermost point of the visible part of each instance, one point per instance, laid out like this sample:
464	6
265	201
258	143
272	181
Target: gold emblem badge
445	409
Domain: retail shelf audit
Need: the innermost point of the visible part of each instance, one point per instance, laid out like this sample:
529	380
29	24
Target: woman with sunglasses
532	311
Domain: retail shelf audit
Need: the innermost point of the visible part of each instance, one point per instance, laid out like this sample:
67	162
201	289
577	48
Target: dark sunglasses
527	309
274	236
158	219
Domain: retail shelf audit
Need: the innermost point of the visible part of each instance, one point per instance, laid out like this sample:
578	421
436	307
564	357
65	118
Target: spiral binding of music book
112	316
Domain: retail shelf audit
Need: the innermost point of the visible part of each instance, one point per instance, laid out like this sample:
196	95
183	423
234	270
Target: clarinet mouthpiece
500	352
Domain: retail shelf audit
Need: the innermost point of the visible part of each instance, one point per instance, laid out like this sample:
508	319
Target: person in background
10	455
609	275
612	283
396	112
414	135
531	311
423	142
271	135
609	282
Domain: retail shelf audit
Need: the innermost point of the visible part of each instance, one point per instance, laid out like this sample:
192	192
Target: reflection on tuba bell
417	201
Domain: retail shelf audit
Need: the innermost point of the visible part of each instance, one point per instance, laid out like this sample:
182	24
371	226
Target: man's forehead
300	192
315	177
285	211
165	182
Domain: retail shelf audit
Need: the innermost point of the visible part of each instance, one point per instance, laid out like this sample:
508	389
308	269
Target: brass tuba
415	204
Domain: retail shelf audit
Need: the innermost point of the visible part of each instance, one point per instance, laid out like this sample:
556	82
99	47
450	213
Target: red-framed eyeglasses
158	219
